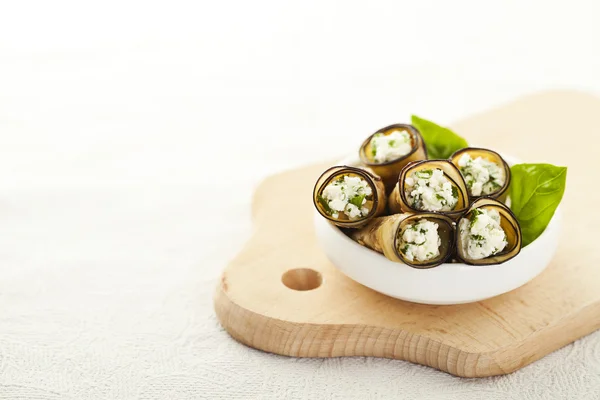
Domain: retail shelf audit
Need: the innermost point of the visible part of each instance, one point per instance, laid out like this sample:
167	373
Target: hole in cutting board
302	279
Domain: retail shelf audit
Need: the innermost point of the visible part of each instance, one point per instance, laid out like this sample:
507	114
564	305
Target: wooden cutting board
281	295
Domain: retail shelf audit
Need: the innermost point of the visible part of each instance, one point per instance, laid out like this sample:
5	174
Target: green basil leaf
440	142
535	192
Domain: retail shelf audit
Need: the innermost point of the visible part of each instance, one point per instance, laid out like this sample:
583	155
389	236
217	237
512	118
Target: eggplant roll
389	149
488	233
430	186
349	197
485	172
418	240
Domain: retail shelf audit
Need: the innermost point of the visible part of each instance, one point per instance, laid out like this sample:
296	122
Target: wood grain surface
281	294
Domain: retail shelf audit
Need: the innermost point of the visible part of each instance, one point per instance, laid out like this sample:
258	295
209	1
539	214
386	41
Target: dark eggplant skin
374	181
390	170
490	155
509	224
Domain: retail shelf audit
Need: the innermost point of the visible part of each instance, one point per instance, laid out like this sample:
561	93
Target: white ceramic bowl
450	283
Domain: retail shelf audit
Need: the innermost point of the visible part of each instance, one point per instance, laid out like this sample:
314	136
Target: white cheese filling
430	190
481	234
386	148
420	241
481	176
347	195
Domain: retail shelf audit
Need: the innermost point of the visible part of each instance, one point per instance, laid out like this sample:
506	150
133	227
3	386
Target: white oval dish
450	283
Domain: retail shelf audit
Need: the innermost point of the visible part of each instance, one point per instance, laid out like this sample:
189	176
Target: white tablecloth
133	133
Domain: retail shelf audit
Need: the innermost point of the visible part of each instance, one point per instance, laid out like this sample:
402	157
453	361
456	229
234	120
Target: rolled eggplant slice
349	197
485	172
431	186
389	149
488	233
418	240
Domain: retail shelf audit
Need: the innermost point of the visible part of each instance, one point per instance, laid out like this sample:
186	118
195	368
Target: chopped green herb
392	143
454	192
477	237
358	200
325	205
473	217
424	173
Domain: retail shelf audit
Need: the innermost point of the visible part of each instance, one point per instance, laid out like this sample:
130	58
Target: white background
125	125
